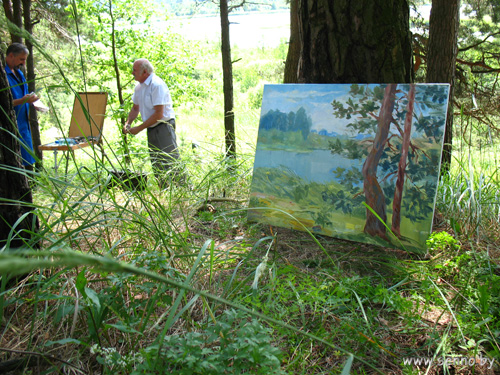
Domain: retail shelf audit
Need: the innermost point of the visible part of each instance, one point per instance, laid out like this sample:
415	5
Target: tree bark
8	10
227	71
346	41
30	67
15	193
442	52
405	146
13	12
293	55
374	195
119	88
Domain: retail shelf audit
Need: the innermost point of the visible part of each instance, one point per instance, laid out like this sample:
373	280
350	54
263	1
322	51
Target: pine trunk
31	76
292	57
346	41
227	67
15	193
441	60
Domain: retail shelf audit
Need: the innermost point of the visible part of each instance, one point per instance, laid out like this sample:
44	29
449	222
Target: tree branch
478	43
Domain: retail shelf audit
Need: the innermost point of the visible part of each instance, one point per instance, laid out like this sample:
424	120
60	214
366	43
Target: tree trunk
123	118
9	12
227	69
15	193
405	146
13	12
441	60
31	76
292	57
374	195
364	41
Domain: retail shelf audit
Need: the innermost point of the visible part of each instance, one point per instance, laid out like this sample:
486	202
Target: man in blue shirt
16	55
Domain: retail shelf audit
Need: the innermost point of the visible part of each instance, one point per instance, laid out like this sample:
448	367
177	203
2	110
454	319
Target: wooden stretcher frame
87	120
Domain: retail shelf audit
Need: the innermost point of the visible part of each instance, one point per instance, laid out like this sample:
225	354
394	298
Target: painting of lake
354	161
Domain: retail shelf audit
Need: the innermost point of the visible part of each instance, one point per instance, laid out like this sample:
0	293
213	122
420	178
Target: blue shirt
19	88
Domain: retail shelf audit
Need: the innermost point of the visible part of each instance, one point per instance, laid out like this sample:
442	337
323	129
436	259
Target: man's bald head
142	69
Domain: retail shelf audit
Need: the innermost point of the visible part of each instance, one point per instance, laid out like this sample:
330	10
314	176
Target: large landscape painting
354	161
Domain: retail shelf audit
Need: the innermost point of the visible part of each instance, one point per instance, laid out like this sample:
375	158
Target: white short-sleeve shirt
152	92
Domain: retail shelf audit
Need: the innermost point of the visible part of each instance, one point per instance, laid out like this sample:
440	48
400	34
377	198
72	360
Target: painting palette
354	161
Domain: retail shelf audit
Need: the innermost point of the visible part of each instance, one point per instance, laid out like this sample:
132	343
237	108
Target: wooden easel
85	129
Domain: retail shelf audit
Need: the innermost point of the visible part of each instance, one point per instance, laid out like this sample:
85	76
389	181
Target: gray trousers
163	151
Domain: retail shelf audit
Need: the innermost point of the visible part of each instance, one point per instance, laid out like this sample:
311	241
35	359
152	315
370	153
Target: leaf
347	366
81	282
68	340
123	328
94	297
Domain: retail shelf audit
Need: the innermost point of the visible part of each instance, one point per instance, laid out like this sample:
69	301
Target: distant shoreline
247	30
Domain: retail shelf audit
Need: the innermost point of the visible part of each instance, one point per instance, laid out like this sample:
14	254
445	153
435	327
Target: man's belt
170	122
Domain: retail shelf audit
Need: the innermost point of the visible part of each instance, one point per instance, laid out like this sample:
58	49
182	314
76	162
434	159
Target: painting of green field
354	161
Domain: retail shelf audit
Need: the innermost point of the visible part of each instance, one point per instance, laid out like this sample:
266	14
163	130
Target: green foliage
173	58
441	242
291	122
233	345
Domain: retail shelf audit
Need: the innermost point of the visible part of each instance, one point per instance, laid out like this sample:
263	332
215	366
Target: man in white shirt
152	100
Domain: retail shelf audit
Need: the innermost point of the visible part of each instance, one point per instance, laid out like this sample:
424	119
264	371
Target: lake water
252	29
246	30
317	165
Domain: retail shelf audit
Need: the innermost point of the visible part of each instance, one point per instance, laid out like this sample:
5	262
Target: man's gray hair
17	49
146	65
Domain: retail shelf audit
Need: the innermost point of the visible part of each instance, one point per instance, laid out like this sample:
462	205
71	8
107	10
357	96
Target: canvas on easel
86	126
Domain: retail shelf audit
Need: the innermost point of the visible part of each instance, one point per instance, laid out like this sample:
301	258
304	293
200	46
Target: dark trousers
162	143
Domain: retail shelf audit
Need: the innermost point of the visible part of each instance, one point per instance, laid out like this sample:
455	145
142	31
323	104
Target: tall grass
468	195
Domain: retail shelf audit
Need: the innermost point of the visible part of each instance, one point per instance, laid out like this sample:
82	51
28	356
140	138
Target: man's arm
153	119
132	115
28	98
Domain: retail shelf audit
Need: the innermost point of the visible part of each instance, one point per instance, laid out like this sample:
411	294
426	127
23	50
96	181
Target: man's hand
135	130
30	98
126	128
129	130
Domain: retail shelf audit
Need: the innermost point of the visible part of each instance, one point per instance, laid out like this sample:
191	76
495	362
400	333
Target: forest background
177	281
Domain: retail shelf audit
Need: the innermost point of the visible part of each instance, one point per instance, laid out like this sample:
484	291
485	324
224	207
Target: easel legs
57	163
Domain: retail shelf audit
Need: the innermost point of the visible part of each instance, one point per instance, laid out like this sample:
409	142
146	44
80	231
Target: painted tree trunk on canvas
375	198
364	41
405	146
